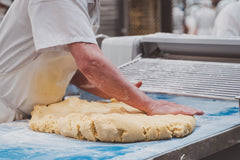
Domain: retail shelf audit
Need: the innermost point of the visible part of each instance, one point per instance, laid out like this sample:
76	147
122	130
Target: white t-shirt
222	4
35	63
191	19
205	17
227	23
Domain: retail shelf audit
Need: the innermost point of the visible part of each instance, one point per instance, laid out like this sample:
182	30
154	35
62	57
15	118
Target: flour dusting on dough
108	122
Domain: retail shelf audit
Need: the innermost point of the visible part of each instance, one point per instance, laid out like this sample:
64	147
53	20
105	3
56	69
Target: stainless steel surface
204	148
238	98
191	66
191	45
182	77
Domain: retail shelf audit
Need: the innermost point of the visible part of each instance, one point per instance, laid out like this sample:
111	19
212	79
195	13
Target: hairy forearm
102	74
81	82
106	77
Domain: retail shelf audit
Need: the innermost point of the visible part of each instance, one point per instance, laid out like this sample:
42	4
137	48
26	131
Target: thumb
138	84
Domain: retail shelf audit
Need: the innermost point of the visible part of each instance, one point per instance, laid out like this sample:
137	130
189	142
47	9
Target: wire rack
182	77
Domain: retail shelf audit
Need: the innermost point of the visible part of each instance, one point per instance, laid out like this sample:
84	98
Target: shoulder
231	8
231	11
59	2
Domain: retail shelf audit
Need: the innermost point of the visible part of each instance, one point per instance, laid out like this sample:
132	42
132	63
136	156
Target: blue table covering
17	141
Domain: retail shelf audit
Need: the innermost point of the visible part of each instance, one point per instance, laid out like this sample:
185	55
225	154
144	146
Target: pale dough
108	122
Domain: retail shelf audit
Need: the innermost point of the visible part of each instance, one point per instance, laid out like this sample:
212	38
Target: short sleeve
226	23
60	22
223	27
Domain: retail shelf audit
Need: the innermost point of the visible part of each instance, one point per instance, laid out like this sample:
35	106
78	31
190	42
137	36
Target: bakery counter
216	130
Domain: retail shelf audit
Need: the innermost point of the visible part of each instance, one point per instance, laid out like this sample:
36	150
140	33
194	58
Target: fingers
138	84
199	112
165	107
191	111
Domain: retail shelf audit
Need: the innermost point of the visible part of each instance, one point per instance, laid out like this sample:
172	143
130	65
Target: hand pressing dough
108	122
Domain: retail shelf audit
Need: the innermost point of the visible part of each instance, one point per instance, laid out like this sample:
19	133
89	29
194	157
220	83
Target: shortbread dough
108	122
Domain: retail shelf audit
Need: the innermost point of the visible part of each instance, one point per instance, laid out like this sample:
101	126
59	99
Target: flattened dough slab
108	122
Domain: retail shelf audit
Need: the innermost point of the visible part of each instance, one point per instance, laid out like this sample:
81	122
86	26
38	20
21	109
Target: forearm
106	77
109	80
81	82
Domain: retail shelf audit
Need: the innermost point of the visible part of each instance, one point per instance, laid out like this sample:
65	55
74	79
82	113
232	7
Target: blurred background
140	17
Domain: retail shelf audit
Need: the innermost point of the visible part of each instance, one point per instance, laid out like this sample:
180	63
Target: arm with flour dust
82	82
101	77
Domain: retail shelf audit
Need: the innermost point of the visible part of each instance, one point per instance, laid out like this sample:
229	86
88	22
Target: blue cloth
19	142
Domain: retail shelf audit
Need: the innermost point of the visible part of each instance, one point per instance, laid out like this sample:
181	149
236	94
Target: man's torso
29	77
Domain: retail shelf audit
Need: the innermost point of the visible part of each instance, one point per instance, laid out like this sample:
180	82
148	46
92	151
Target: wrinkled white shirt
35	63
227	23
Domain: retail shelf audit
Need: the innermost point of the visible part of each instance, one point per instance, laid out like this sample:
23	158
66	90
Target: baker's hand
164	107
